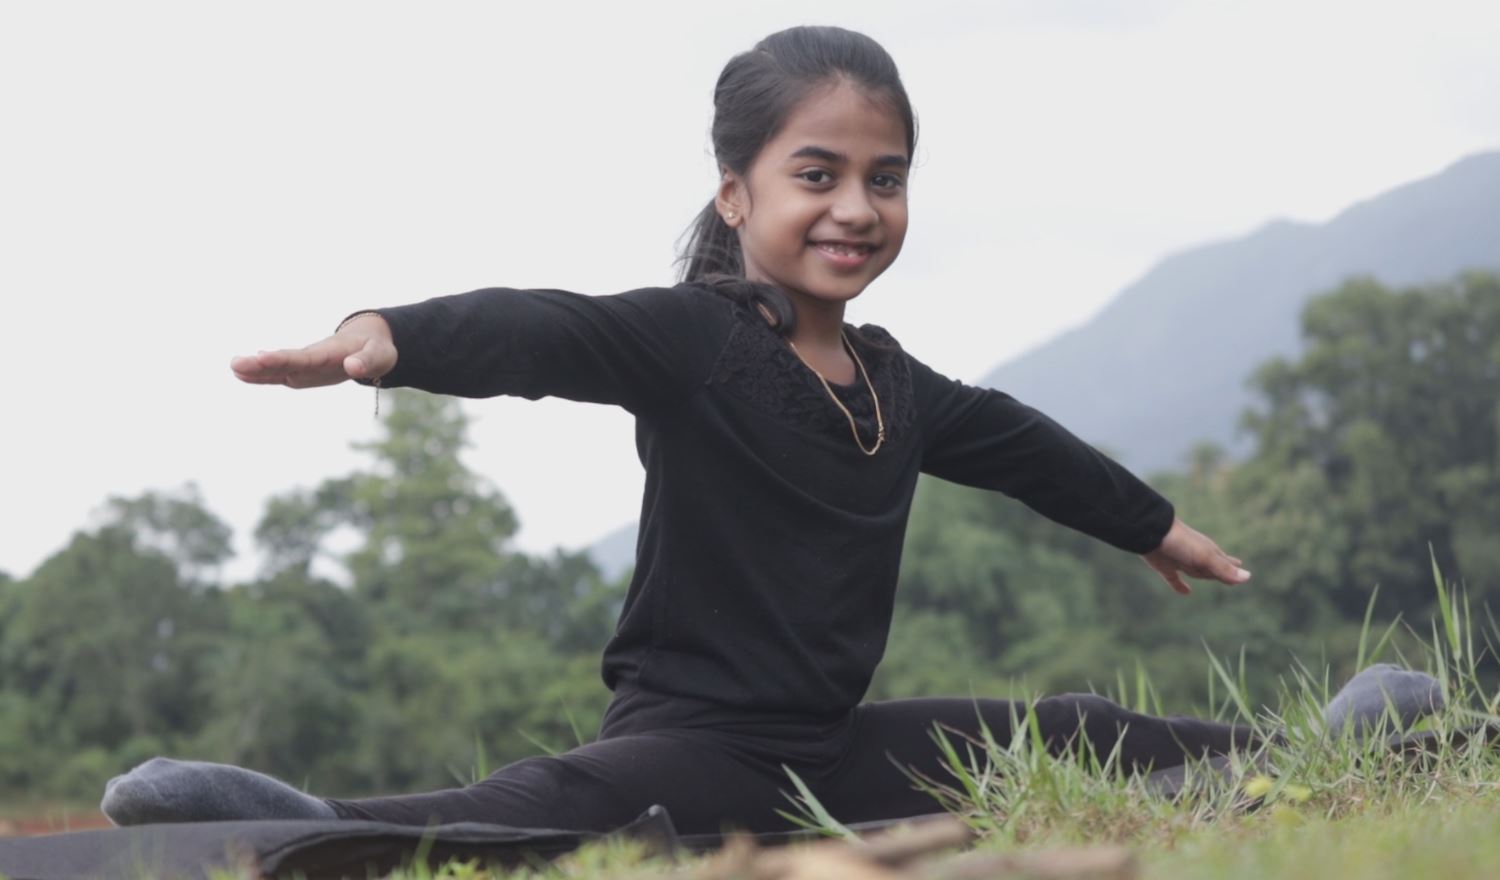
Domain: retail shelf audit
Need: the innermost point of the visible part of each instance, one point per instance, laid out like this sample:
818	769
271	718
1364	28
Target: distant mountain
1165	365
614	553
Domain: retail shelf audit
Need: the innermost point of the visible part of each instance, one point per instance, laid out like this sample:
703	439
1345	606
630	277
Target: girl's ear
731	199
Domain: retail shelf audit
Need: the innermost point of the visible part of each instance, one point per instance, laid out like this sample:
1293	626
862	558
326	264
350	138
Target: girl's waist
638	710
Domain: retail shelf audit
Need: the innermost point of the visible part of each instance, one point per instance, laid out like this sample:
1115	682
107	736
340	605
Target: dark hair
756	92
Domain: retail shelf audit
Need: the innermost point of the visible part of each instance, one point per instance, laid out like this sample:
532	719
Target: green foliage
429	521
178	527
1381	441
122	646
107	641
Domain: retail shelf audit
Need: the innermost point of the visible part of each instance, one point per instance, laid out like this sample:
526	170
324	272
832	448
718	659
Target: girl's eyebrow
835	158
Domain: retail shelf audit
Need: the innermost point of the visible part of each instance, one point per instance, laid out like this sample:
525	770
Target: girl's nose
852	207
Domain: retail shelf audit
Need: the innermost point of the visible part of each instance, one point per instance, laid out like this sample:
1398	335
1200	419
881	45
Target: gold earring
729	215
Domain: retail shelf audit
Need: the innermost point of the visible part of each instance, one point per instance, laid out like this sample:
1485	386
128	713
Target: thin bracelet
358	315
376	380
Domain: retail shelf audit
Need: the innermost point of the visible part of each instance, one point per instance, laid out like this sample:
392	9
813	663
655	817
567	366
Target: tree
1381	442
106	641
177	526
434	548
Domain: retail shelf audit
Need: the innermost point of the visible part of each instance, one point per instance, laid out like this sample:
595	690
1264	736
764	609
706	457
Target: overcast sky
183	182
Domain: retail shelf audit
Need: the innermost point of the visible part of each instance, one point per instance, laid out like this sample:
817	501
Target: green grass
1447	837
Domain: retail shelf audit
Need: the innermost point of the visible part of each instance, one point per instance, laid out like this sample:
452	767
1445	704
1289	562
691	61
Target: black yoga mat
312	849
317	849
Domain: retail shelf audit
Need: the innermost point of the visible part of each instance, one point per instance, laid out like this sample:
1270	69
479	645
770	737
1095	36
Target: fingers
321	363
1175	581
1220	567
1226	569
263	368
248	369
1227	572
1168	571
1193	554
1222	570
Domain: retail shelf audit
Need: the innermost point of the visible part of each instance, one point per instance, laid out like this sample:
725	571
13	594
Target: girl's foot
1382	693
163	790
1369	700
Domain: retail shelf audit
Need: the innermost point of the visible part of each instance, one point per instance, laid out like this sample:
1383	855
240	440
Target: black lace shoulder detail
757	366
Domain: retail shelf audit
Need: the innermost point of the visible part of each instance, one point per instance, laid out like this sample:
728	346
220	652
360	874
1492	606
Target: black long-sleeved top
769	543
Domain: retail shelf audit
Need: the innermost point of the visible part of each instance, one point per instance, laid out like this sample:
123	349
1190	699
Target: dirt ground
49	819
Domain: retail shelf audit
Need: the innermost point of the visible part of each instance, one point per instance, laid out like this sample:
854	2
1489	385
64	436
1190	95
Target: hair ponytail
755	93
712	256
712	247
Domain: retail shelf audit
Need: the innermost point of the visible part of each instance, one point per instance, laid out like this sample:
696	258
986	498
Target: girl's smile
821	212
848	255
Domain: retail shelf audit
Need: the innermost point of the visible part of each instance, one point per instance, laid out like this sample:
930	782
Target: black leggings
731	776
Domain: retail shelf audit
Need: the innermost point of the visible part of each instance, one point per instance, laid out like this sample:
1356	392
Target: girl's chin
826	295
823	290
838	289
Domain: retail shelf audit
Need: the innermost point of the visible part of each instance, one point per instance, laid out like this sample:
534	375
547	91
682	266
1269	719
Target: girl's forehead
842	114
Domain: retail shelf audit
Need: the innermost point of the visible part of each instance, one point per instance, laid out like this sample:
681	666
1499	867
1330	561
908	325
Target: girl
781	447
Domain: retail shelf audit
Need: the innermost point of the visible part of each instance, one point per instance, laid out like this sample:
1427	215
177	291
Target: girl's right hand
361	348
1187	551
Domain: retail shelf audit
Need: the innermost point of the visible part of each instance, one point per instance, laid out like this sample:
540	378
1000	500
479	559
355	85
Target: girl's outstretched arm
1187	551
361	348
987	439
645	350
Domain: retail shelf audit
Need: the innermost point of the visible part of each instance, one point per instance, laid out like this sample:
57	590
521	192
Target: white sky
182	182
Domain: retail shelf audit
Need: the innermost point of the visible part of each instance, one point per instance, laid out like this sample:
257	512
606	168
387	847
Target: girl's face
821	212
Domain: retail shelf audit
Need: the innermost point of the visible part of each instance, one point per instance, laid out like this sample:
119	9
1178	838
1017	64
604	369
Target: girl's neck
820	323
819	339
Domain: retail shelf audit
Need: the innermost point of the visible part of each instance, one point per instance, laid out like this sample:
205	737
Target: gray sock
163	790
1364	702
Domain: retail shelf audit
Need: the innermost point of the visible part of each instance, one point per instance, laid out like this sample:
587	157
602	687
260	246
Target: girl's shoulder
685	297
880	350
684	311
877	337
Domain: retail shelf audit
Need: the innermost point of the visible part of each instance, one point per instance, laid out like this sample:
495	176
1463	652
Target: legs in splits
711	779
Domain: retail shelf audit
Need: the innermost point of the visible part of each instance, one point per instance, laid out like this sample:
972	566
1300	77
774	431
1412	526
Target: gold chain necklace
879	420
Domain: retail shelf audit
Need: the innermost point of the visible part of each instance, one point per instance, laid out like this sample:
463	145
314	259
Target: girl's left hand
1187	551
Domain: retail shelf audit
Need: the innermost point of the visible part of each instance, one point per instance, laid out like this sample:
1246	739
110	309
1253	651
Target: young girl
781	447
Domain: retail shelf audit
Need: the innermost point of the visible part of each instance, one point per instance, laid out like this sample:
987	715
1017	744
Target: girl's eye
887	181
816	175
